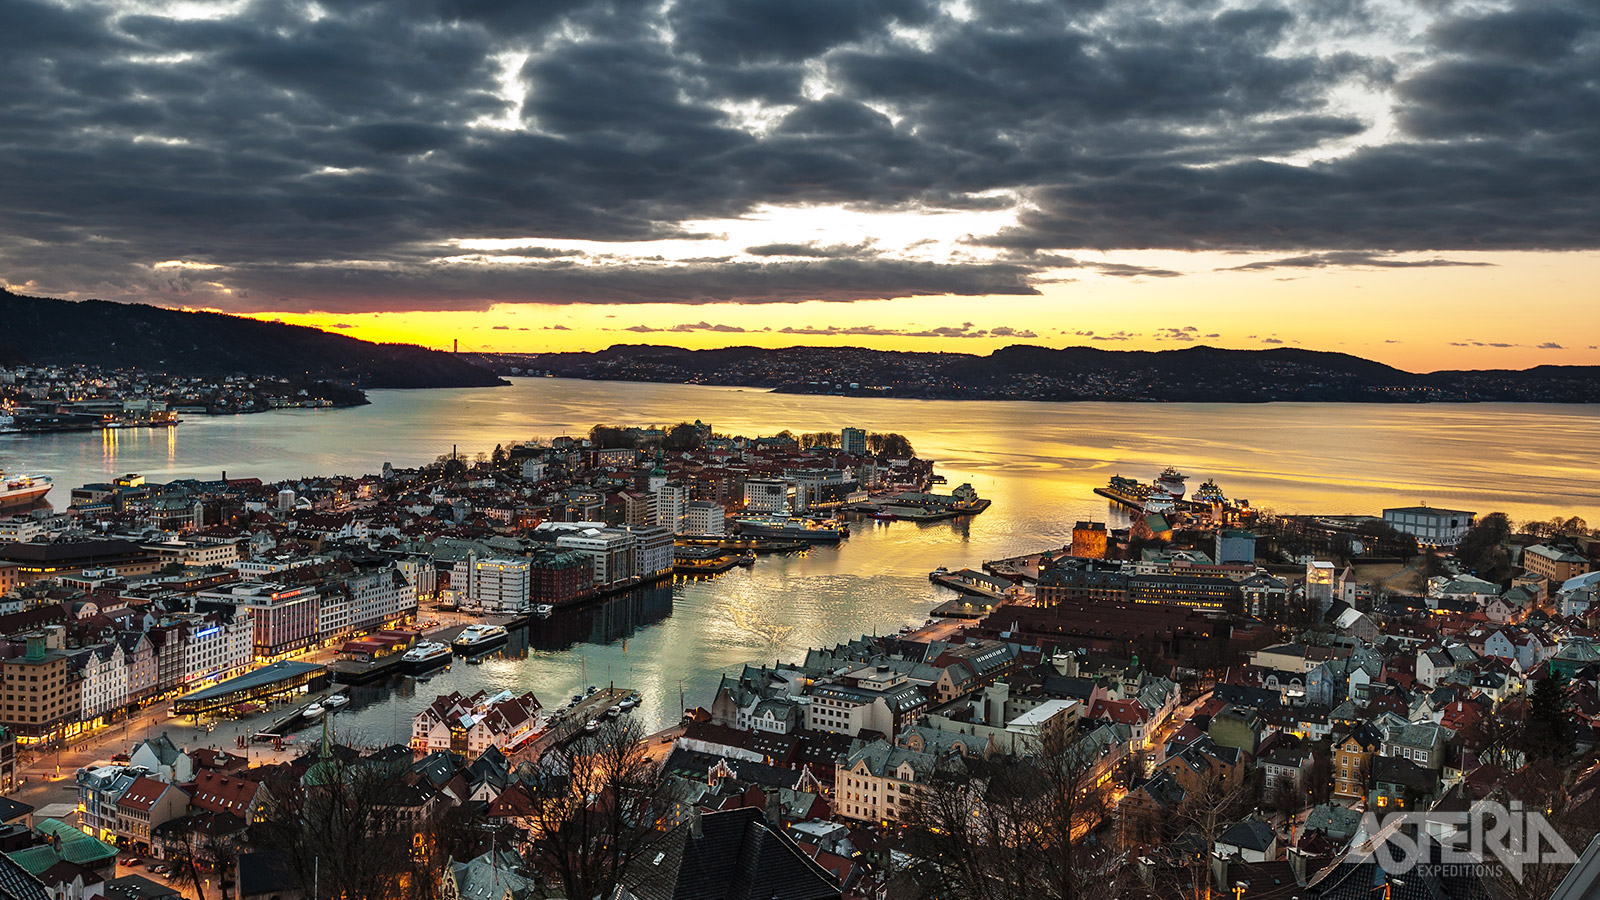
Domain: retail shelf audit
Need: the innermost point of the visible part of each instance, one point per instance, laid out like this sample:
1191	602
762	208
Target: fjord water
1039	462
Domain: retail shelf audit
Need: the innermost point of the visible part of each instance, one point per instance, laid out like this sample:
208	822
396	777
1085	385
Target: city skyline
1402	181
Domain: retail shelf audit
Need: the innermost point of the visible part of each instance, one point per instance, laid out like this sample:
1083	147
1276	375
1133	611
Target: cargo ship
23	490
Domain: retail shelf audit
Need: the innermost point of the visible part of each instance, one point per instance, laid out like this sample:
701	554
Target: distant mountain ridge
1026	372
122	335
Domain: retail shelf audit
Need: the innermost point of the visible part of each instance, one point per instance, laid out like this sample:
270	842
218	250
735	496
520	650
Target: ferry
480	639
792	528
22	490
425	656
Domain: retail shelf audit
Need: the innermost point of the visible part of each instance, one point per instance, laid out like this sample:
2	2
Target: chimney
695	831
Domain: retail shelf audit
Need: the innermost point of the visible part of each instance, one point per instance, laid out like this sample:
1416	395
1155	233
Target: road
46	778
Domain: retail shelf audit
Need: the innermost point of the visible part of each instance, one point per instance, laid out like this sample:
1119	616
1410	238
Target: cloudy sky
1410	180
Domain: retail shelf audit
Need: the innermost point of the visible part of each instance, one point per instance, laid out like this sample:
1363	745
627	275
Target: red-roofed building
1131	713
217	792
148	804
471	725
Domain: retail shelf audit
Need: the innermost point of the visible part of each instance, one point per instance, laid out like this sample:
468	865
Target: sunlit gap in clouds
811	231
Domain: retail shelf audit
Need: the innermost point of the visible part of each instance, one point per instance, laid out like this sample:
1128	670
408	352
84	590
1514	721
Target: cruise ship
22	490
792	528
425	656
480	639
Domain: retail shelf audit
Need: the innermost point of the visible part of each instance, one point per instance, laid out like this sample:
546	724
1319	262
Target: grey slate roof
730	855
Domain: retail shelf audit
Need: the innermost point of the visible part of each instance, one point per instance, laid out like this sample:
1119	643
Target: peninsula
1022	372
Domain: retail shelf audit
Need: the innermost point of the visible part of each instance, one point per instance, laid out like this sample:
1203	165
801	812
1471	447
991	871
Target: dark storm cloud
964	330
687	327
340	289
1349	259
329	157
836	251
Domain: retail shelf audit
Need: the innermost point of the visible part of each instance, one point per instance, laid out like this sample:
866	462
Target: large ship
1171	483
1211	494
22	490
791	528
479	639
425	657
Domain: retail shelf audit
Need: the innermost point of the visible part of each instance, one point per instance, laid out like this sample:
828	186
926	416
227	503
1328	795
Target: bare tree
587	824
344	832
1013	828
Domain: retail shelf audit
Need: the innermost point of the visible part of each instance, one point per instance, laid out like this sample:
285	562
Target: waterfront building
472	725
706	519
500	586
1089	540
652	551
283	619
769	496
363	601
40	694
1070	579
558	577
610	553
1430	526
853	441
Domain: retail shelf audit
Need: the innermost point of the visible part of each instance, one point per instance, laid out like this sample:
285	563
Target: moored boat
22	490
792	528
479	639
425	657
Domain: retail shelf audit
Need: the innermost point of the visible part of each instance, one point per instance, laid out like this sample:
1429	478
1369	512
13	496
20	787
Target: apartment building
41	694
879	782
